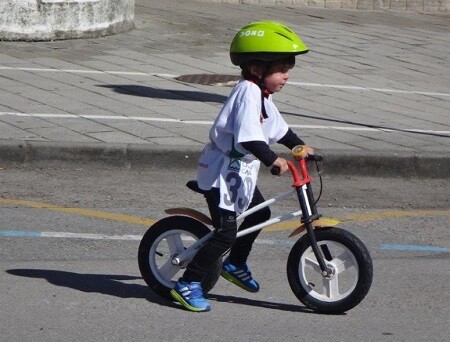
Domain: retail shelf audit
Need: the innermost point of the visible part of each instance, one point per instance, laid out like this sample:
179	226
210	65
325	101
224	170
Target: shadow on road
114	285
167	94
108	284
366	125
200	96
259	303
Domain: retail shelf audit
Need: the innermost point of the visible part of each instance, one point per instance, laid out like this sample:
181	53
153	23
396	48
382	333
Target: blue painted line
19	233
415	248
35	234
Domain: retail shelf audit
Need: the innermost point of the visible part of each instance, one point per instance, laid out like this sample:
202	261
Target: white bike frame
188	253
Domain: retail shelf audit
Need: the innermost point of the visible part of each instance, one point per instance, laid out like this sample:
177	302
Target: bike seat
193	185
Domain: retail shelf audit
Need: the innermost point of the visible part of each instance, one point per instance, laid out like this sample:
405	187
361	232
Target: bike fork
309	210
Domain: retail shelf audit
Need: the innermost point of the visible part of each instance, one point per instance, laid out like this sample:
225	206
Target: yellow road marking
368	217
80	211
292	224
396	214
286	225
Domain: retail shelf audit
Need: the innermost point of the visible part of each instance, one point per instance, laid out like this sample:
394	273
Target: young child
239	140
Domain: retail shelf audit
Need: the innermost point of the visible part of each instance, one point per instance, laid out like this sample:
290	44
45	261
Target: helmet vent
284	36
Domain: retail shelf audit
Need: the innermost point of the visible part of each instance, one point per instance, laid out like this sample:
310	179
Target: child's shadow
108	284
114	285
168	94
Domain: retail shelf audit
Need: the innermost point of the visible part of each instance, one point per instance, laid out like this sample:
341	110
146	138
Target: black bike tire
183	223
365	266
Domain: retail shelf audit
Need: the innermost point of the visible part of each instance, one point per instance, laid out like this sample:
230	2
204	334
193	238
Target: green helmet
265	40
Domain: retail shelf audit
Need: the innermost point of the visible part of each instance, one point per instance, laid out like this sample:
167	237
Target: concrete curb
344	162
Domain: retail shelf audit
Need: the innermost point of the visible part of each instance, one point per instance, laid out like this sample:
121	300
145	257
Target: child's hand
311	151
282	164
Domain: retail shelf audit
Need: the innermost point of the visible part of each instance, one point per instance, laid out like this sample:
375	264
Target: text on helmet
255	33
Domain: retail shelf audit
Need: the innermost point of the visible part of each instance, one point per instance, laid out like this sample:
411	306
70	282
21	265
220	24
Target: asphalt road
88	287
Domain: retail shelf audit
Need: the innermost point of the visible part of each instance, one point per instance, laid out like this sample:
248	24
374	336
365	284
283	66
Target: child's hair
263	68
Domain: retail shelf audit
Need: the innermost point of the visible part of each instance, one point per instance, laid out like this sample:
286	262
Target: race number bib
237	183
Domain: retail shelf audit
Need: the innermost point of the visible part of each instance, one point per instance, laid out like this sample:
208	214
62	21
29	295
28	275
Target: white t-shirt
240	120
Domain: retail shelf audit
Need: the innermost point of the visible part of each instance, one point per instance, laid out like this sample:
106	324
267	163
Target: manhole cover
210	79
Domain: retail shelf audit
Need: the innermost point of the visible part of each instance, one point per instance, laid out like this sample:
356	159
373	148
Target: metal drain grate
210	79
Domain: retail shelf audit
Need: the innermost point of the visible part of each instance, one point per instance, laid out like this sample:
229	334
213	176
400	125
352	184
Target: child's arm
290	140
263	152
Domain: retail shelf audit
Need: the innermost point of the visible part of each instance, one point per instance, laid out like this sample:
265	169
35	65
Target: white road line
382	90
204	122
91	71
163	75
88	236
94	236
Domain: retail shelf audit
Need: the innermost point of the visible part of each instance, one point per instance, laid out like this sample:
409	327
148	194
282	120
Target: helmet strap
264	91
259	81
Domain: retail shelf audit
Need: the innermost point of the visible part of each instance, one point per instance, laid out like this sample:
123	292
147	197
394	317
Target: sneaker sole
233	280
176	296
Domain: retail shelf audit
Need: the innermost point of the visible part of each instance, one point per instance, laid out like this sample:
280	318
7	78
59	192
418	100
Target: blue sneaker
241	276
190	295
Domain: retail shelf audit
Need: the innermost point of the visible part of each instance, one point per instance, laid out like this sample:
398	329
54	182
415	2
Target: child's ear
254	70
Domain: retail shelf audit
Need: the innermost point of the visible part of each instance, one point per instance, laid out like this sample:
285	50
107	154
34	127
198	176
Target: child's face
276	81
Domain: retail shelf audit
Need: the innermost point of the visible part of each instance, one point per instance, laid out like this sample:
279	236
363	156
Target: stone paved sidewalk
374	83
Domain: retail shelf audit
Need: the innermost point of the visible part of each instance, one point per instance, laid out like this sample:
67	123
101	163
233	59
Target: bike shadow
259	303
115	285
108	284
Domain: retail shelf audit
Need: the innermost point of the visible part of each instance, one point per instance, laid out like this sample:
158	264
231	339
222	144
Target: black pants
224	237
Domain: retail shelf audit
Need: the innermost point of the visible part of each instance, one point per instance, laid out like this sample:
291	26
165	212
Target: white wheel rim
162	251
340	284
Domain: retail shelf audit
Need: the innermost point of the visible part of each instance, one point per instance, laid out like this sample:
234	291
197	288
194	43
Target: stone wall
397	5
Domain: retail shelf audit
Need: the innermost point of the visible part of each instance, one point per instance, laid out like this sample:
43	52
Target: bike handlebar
315	157
275	170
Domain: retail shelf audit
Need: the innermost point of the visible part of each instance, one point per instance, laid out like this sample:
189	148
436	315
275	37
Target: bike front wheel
161	243
351	276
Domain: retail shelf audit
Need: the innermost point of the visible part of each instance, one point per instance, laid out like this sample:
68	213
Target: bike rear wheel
351	266
161	243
